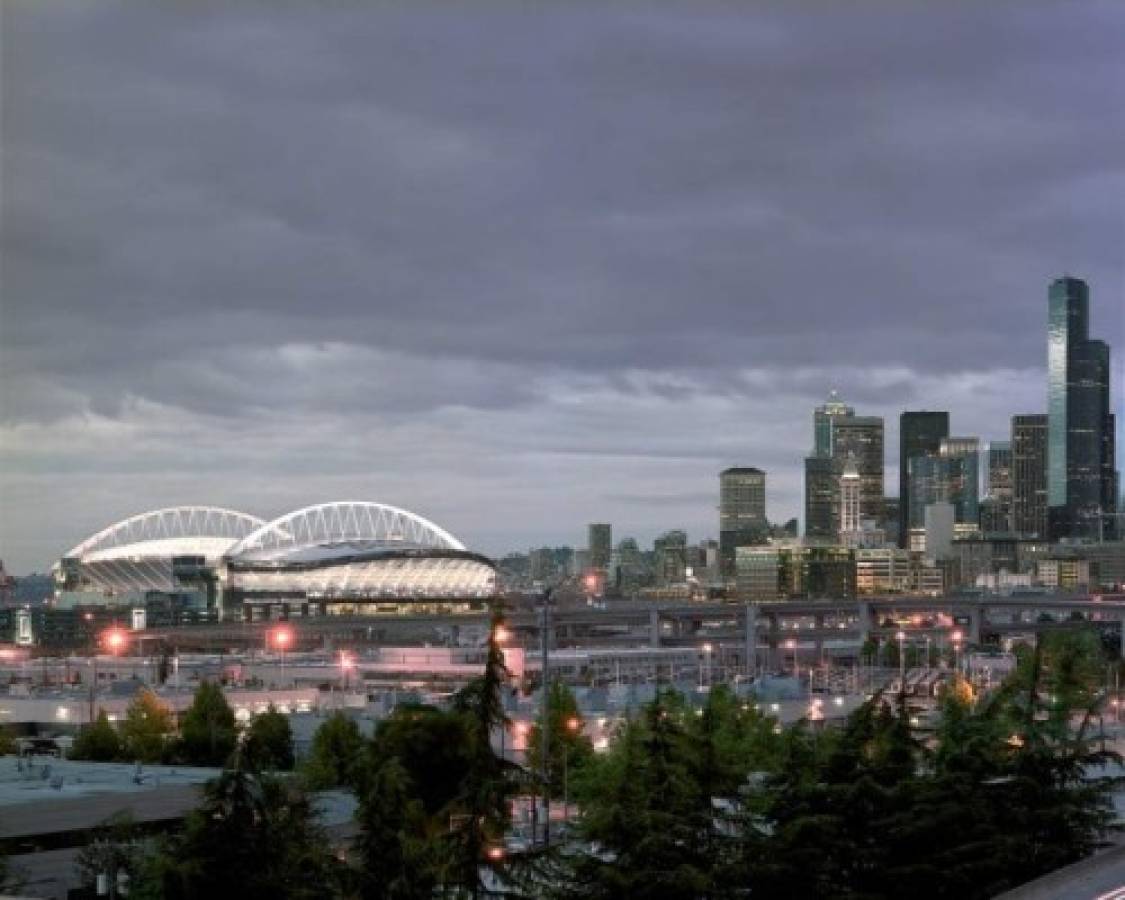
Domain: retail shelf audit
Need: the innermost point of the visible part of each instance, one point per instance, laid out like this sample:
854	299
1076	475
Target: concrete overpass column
654	628
864	621
976	620
751	651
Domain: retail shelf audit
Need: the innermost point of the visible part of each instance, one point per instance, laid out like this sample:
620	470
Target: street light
792	645
957	637
707	658
115	640
281	638
347	663
501	634
573	726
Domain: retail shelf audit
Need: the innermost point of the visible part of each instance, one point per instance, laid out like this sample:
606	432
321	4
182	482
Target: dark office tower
920	433
1079	424
600	544
1029	475
823	417
996	508
860	438
742	513
838	433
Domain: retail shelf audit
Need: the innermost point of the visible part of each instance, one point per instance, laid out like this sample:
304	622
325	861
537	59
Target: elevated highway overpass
745	628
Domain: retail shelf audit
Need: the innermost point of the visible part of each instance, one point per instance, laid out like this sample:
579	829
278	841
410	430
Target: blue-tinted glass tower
1081	481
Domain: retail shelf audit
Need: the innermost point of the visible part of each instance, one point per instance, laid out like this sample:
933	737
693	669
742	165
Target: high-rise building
861	438
1081	481
839	434
851	521
600	544
823	418
670	558
996	508
1029	475
742	513
952	475
821	498
920	433
963	455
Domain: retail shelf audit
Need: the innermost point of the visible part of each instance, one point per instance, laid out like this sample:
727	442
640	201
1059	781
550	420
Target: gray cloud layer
520	267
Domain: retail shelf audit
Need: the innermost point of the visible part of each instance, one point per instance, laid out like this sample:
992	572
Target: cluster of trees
207	734
434	802
718	802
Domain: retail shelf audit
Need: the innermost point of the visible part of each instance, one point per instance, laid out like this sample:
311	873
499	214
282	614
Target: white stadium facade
346	558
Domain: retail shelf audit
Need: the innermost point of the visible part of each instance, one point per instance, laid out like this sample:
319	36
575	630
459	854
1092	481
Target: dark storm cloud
648	237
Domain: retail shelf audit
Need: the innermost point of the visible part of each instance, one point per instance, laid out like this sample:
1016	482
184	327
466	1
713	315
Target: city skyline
254	326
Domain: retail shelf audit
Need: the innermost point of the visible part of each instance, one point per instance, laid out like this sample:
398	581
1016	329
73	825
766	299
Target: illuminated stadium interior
345	557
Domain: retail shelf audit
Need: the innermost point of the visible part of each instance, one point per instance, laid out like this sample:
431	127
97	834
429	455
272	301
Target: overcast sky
521	267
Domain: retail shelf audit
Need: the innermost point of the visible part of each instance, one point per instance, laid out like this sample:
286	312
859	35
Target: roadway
680	624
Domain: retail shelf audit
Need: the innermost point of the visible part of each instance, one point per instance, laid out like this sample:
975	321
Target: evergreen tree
97	742
336	755
481	812
395	847
640	811
207	732
268	743
568	749
253	838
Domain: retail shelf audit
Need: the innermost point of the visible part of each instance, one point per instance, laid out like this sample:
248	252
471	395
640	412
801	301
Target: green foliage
431	745
7	740
336	755
97	742
254	837
116	845
568	749
268	742
395	847
148	723
207	732
435	795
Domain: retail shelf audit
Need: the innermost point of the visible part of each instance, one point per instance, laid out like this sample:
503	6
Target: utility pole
544	727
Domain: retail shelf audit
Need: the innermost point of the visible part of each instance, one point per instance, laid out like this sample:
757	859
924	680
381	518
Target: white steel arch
171	522
346	520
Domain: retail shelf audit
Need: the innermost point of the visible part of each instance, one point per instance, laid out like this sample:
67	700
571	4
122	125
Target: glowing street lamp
501	634
573	726
115	640
347	663
791	644
282	639
901	637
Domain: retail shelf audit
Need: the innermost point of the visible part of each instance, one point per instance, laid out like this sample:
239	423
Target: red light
282	637
347	661
115	640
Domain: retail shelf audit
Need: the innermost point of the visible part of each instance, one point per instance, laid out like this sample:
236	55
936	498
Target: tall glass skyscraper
1081	481
742	513
920	433
1029	475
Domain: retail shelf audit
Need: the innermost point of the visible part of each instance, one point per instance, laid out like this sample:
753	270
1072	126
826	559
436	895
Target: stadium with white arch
349	557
